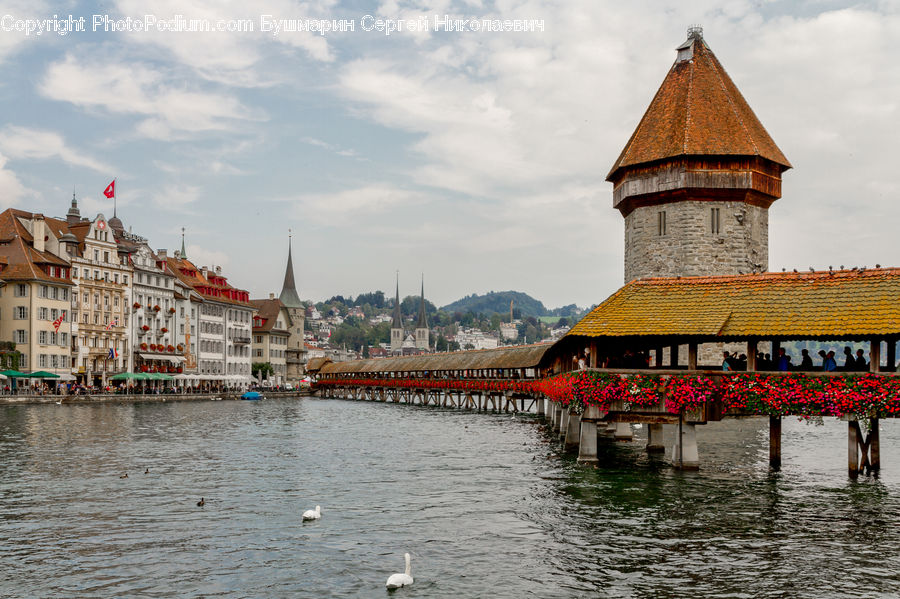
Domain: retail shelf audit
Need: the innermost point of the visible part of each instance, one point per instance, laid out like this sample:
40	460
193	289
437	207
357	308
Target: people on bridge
861	364
726	361
829	364
806	363
849	360
784	361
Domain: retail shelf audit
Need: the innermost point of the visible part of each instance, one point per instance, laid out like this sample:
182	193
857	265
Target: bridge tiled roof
844	304
519	356
699	111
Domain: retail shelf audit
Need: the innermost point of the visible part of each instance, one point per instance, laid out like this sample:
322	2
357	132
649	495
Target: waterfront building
103	292
35	298
156	341
695	181
224	321
295	352
272	329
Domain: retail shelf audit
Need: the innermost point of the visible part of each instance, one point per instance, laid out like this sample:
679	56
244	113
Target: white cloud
177	198
11	189
171	110
351	205
37	144
234	58
12	42
202	256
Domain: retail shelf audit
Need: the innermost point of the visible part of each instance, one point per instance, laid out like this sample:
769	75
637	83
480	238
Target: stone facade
680	239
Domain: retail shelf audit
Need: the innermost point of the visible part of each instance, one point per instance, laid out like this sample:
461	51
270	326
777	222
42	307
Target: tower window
661	222
714	221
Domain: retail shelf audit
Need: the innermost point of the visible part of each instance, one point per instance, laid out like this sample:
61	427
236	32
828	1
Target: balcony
241	340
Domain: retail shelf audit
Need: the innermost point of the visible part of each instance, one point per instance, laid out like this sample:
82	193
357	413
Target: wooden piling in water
853	448
775	443
874	446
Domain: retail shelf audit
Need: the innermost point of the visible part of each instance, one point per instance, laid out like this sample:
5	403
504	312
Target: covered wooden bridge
652	353
677	329
496	379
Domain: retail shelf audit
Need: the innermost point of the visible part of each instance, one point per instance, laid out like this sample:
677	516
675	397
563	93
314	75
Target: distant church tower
697	177
422	323
290	299
397	324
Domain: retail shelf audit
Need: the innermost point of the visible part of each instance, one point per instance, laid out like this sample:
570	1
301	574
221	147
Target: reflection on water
484	503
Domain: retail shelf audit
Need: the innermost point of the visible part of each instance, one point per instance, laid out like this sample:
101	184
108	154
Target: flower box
156	308
164	330
144	346
145	328
136	305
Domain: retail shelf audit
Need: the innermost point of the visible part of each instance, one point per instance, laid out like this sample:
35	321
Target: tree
261	370
441	344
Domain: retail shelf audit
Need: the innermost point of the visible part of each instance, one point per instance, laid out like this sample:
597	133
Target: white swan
312	514
401	580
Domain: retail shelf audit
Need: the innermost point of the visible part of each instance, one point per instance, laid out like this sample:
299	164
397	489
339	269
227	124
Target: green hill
497	302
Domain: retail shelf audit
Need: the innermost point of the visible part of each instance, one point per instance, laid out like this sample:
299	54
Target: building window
20	313
106	256
714	221
20	336
42	361
42	337
661	222
21	290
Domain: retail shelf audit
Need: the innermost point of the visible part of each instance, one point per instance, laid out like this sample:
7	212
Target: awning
167	357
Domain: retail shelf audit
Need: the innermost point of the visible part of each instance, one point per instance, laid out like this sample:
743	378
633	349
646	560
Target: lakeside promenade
93	398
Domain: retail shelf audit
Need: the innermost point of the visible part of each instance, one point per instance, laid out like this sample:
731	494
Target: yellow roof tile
821	304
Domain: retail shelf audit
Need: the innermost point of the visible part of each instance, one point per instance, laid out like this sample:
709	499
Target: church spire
398	321
183	252
422	322
289	296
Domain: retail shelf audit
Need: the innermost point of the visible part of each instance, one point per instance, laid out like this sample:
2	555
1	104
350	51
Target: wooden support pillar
593	357
853	448
673	356
874	447
875	355
659	357
891	354
775	443
539	406
655	442
752	348
692	356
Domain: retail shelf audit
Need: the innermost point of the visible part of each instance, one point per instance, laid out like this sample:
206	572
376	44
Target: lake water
484	503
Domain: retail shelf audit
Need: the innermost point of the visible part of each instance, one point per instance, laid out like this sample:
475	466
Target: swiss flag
110	190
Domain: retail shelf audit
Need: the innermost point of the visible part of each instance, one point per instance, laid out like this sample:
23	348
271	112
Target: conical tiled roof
289	296
697	111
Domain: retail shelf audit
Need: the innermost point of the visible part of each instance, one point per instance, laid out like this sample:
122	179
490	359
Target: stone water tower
697	177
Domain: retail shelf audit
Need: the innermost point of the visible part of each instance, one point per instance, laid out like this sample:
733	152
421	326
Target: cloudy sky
475	157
